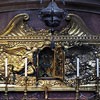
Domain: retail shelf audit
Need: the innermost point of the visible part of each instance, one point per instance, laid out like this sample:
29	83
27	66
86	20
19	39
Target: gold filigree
18	41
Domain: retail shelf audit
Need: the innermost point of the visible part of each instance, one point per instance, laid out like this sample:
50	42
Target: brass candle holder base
25	96
6	88
97	89
6	96
46	93
97	96
77	88
25	90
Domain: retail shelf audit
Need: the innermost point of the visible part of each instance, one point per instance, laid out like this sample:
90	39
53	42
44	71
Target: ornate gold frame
20	40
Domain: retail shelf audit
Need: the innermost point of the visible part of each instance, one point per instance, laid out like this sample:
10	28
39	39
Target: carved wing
76	26
18	51
17	26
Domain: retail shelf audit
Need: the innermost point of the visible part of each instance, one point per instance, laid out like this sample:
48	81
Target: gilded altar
51	58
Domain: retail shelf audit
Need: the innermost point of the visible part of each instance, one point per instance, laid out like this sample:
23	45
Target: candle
77	67
97	61
6	67
25	66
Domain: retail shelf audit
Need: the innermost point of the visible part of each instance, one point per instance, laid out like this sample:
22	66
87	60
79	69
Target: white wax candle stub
77	67
25	66
97	63
6	67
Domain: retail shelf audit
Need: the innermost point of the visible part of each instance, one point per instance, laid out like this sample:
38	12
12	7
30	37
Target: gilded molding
18	41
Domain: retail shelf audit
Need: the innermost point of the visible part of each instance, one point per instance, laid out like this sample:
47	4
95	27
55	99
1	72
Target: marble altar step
57	95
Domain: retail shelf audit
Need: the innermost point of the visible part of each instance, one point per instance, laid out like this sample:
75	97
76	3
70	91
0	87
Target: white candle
97	61
6	67
77	67
25	66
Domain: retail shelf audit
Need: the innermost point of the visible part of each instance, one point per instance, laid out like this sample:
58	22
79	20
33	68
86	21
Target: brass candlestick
37	65
6	88
46	93
97	89
25	90
36	76
77	88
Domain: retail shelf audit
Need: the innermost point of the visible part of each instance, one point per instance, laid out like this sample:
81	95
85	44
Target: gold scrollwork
18	41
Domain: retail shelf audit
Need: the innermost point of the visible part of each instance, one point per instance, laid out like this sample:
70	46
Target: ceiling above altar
84	5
